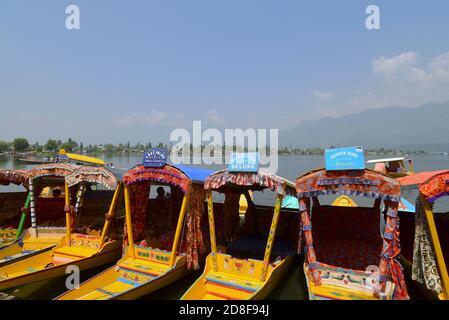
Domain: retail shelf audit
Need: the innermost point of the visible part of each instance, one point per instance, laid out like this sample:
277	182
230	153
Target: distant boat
33	161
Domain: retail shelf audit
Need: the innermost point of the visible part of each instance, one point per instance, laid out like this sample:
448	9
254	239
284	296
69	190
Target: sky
136	70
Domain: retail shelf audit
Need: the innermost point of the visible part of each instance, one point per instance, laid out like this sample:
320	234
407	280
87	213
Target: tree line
21	145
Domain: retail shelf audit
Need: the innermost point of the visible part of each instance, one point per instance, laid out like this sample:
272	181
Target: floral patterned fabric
435	187
167	174
92	174
18	177
259	180
231	215
424	268
53	169
195	209
366	183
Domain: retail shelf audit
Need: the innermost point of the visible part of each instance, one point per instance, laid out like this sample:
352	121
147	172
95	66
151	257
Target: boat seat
349	254
222	286
69	254
137	271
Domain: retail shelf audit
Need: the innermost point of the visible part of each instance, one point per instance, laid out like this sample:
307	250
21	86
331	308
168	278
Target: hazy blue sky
137	69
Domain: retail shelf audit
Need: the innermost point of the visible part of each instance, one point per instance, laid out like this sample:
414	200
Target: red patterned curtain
139	197
389	266
231	214
194	237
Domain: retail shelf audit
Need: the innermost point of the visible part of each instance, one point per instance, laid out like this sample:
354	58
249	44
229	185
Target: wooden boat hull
231	283
110	285
27	246
8	237
47	265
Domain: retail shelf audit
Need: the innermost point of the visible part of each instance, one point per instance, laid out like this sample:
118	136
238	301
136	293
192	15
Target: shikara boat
393	167
37	210
11	235
250	263
155	254
79	159
430	254
346	257
53	248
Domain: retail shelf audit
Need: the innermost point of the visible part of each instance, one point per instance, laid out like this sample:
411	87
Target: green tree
70	145
20	144
108	147
37	147
4	146
51	145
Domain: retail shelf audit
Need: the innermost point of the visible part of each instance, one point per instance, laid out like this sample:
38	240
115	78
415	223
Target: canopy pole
437	247
23	217
68	228
110	215
272	233
129	227
79	197
213	241
182	214
34	231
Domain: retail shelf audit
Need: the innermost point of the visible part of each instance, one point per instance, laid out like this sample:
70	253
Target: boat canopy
435	187
17	177
388	160
417	178
366	183
92	174
52	170
179	176
255	181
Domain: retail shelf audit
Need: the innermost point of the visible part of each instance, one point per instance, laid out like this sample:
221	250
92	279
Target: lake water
292	286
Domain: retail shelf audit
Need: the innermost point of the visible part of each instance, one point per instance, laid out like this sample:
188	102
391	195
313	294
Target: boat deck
223	286
128	274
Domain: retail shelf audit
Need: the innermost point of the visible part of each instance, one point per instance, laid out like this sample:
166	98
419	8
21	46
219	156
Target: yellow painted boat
143	269
229	278
36	239
346	258
85	251
9	236
80	159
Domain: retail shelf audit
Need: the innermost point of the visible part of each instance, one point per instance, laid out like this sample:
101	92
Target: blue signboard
155	158
350	158
244	162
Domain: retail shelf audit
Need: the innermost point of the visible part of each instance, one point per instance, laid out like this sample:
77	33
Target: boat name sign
244	162
155	158
349	158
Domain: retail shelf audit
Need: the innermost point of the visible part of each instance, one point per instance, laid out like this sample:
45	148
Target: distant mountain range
423	127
